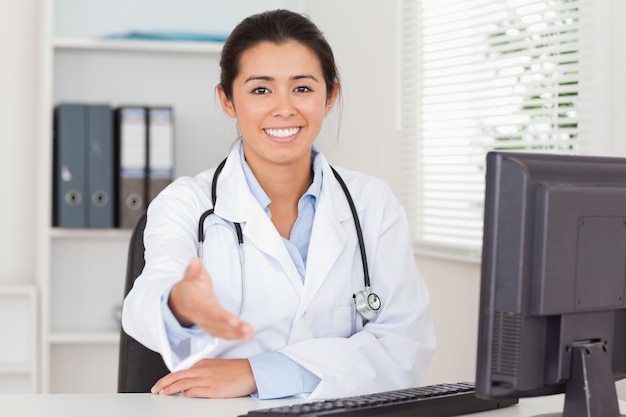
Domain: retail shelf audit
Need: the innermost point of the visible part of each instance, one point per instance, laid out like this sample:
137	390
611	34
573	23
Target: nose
284	106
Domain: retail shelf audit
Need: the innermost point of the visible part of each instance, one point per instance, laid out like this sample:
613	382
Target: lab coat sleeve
168	252
394	350
277	376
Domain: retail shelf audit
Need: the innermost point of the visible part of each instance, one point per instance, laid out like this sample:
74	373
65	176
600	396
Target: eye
302	89
260	91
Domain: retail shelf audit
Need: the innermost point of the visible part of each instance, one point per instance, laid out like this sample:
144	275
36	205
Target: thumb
194	269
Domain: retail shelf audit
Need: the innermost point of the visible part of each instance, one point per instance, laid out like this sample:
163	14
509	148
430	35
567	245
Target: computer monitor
553	280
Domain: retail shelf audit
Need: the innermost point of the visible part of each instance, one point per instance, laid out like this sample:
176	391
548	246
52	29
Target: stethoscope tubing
239	233
357	225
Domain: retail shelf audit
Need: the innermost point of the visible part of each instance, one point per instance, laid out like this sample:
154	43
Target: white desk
149	405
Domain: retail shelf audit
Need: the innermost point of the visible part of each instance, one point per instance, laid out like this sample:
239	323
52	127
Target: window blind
492	74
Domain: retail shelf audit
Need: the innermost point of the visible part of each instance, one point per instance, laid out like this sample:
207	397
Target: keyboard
440	400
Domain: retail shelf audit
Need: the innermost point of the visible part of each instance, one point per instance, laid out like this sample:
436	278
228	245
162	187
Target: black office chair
139	367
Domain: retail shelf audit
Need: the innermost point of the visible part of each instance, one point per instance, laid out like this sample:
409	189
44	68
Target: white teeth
282	133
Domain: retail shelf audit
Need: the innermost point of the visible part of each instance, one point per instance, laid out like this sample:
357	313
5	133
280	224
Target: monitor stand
590	390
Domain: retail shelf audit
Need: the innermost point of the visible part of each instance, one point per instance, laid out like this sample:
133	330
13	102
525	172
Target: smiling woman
290	244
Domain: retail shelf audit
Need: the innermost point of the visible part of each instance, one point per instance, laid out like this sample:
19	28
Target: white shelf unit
87	266
19	326
81	272
95	44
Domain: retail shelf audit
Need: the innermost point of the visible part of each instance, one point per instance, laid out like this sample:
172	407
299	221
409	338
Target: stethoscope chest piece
367	303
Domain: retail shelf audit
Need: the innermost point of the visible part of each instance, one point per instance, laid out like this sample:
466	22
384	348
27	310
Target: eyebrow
268	78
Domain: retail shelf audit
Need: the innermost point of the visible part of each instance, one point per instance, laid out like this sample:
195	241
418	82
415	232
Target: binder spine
100	162
160	149
69	166
131	164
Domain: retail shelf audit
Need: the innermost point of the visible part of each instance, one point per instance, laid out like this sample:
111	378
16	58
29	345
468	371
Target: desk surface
149	405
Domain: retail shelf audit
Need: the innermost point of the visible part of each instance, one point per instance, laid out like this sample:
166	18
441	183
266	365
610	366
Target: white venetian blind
493	74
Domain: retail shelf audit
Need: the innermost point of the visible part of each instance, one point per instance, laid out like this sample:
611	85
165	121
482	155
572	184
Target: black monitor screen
553	279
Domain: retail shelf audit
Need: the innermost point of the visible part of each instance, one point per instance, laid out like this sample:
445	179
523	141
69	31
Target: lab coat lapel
328	238
261	232
236	203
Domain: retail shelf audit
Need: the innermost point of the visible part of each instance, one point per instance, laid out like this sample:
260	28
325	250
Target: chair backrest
139	367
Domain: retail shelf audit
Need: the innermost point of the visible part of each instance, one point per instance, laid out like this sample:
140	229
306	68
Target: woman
267	306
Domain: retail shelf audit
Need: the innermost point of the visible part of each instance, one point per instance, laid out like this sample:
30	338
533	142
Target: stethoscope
367	303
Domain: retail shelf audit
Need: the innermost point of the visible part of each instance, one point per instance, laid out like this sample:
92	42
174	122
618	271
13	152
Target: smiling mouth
282	133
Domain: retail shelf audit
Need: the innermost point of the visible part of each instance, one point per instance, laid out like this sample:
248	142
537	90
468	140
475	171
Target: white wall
454	287
105	17
18	89
361	134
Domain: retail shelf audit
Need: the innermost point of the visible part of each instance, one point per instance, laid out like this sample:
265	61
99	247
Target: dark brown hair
279	27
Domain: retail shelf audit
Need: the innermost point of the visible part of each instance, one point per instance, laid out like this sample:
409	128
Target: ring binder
131	162
160	149
100	157
68	206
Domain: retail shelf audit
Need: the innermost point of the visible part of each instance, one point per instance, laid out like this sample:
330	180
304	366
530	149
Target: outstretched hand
192	300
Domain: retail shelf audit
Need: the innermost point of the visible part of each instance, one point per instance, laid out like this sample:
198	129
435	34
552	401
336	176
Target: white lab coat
314	323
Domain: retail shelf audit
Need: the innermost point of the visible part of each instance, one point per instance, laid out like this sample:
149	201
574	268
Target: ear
227	104
333	97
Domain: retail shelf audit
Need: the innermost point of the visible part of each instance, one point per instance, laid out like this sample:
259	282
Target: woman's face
279	100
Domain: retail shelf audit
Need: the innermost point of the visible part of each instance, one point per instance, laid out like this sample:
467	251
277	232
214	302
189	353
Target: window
492	74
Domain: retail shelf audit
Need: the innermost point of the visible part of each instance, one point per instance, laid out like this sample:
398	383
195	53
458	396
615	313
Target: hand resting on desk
210	378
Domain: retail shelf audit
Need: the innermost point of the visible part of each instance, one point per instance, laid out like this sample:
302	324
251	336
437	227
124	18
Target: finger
177	387
165	384
201	392
160	384
180	386
194	269
240	329
245	330
227	326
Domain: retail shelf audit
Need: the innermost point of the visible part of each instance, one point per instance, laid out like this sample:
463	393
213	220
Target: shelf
15	369
69	233
19	290
136	45
84	338
18	321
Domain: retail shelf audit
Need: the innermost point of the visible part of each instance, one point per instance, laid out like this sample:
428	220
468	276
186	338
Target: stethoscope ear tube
201	231
207	213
